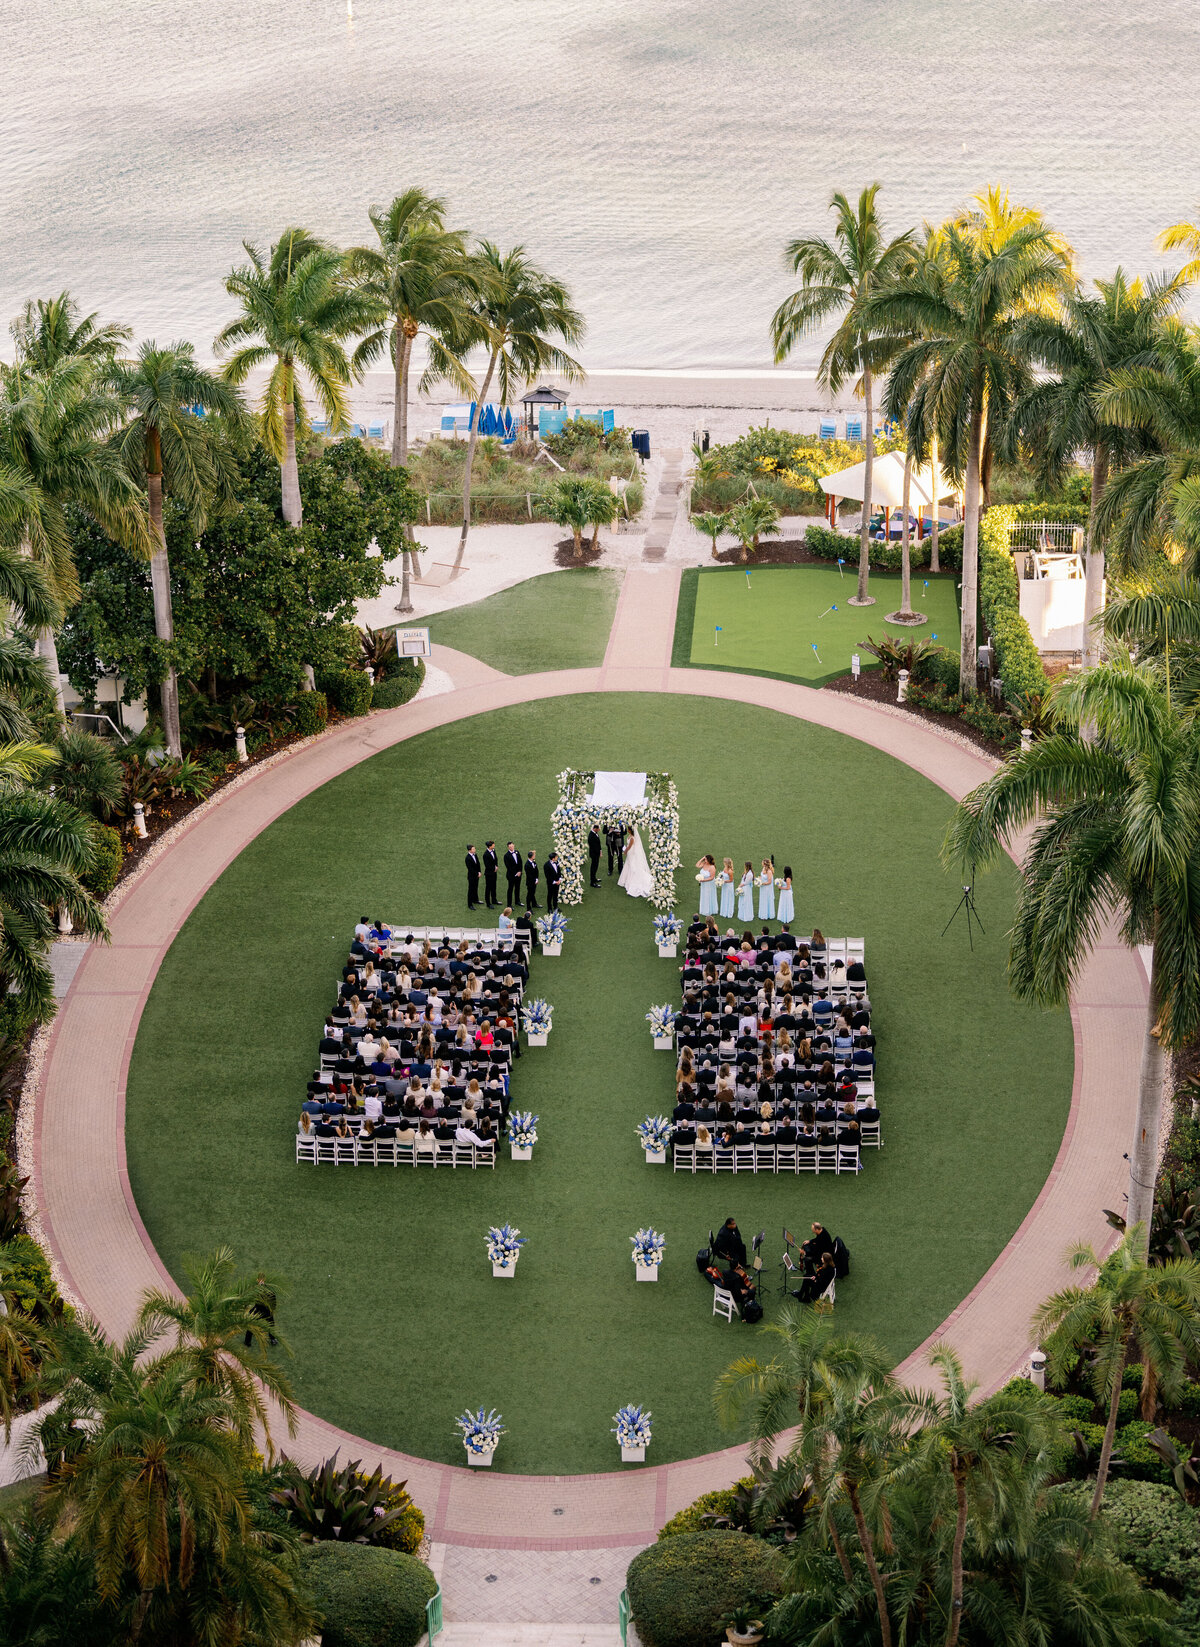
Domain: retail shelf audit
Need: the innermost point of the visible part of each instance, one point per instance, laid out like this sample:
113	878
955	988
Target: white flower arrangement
504	1244
522	1129
658	814
481	1431
632	1426
648	1248
552	928
537	1016
661	1020
654	1132
667	928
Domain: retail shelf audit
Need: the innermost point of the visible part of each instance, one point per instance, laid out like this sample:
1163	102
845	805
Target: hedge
691	1520
347	689
680	1590
402	682
367	1596
1159	1536
312	713
887	557
108	854
1020	664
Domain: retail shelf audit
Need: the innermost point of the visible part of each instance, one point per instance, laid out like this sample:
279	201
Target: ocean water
654	156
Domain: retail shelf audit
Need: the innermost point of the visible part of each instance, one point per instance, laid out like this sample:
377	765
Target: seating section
415	1062
776	1059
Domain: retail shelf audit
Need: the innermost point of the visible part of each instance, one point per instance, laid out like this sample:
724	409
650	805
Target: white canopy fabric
887	482
618	789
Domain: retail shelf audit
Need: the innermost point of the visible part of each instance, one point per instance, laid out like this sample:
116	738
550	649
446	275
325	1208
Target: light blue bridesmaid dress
787	905
745	908
728	894
766	902
708	896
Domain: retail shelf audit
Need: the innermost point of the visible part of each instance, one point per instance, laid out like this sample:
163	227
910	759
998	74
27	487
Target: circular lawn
391	1311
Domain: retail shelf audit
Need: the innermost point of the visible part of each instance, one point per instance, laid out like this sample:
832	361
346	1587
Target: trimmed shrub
819	540
402	682
1187	1402
348	690
367	1596
690	1520
29	1281
1002	729
108	854
1158	1535
312	713
680	1590
938	666
1020	664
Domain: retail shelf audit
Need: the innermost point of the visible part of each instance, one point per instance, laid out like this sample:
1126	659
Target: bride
637	877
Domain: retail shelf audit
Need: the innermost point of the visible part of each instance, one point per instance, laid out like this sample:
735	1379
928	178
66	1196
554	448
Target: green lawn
558	621
395	1320
771	622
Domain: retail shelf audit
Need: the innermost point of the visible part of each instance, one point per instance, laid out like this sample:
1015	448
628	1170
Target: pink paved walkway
97	1235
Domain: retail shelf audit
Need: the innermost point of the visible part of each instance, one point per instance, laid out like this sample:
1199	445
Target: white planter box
646	1272
537	1037
480	1461
664	1043
667	951
522	1152
554	947
505	1271
656	1157
633	1455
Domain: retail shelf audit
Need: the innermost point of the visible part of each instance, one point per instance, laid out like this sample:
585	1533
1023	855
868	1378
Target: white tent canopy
887	483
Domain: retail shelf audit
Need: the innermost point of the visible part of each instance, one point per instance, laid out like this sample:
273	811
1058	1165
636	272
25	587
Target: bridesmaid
708	883
766	891
745	908
787	908
726	880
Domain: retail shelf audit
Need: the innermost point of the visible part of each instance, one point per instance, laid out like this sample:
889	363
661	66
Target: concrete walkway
105	1255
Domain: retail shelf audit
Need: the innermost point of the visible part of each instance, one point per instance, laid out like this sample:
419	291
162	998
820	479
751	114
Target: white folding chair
327	1149
847	1158
704	1159
723	1304
425	1157
405	1155
826	1158
485	1156
723	1160
744	1158
785	1158
306	1148
344	1151
870	1134
464	1155
683	1158
855	949
806	1158
764	1157
444	1154
364	1151
385	1151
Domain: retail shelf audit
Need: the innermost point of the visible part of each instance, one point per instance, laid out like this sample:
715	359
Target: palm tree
968	362
750	520
52	330
298	307
842	278
712	525
518	314
1090	339
87	774
169	449
1118	833
1130	1305
223	1331
24	1342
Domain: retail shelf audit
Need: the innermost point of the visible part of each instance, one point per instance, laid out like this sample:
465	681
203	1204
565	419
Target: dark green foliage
348	690
28	1284
1183	1146
694	1519
108	854
339	1502
11	1188
937	666
895	654
154	782
87	773
403	682
1153	1530
1175	1221
312	713
890	556
368	1597
48	1590
1019	662
680	1590
1001	729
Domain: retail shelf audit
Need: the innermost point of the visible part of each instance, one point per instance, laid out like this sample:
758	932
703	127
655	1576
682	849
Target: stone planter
537	1037
669	951
553	947
656	1157
505	1272
633	1455
664	1043
481	1461
522	1152
646	1272
749	1639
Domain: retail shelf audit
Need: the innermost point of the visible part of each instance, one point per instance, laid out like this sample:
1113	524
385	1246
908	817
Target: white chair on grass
385	1151
744	1158
764	1157
785	1158
806	1158
306	1148
327	1149
723	1304
723	1160
464	1155
869	1131
848	1159
444	1154
826	1158
683	1158
364	1152
405	1154
485	1156
344	1149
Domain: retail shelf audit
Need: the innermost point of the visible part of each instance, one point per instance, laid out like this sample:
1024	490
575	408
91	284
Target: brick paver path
83	1188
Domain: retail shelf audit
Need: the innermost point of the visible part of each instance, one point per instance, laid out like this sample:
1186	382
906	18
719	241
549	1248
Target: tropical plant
377	650
48	1586
25	1342
167	443
526	321
750	520
964	362
577	502
298	307
1130	1307
341	1502
895	655
87	773
711	524
49	331
842	278
1175	1226
368	1597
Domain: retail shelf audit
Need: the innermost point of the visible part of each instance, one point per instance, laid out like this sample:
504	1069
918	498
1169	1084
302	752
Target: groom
615	836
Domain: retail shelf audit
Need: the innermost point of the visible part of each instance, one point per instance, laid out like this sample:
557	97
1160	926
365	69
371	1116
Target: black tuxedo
472	862
512	868
491	866
594	845
615	836
531	882
553	876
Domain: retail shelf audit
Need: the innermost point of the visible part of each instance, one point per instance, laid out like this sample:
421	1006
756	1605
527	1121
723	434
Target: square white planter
656	1157
667	951
537	1037
633	1455
522	1152
505	1272
479	1461
646	1272
664	1043
552	948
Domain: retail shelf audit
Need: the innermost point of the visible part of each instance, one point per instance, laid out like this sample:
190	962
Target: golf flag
925	586
841	563
747	577
827	611
717	630
817	654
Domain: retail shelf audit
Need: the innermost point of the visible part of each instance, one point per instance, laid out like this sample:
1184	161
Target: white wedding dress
637	877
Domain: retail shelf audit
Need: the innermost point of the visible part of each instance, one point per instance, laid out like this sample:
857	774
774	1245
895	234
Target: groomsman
553	876
615	835
491	866
472	862
531	880
594	853
512	868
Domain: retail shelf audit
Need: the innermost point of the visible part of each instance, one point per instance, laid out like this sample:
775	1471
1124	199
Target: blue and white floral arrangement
662	1025
552	929
632	1430
658	815
537	1018
648	1248
654	1134
504	1245
666	930
481	1432
522	1129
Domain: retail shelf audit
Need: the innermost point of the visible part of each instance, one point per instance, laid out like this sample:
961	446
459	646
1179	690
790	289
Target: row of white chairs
389	1152
770	1158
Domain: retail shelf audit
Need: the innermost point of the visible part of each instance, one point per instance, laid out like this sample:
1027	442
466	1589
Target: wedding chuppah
638	801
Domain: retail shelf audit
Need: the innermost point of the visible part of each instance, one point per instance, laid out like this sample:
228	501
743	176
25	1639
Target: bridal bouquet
536	1016
654	1132
661	1020
667	928
522	1128
648	1248
504	1244
481	1431
632	1426
552	928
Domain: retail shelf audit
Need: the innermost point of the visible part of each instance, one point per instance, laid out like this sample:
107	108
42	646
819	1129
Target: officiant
615	836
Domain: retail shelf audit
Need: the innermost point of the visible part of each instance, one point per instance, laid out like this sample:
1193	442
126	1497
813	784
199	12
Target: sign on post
413	643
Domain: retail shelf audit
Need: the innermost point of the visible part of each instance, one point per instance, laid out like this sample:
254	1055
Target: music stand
789	1269
756	1244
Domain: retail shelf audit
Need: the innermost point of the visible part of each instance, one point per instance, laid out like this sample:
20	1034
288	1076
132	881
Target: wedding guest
553	876
512	869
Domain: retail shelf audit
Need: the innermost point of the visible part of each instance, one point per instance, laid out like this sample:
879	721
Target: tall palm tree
526	321
841	278
1117	834
1092	337
1130	1305
298	308
223	1333
52	330
966	310
167	448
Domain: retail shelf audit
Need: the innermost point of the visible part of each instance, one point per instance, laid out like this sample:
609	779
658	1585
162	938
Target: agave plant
340	1503
377	650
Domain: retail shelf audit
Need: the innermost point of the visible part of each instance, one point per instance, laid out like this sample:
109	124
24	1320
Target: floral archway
657	814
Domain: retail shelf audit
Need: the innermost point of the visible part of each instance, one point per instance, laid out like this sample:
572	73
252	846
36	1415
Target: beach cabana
534	399
887	485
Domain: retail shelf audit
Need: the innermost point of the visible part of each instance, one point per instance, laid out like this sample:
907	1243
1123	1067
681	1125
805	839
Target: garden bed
872	685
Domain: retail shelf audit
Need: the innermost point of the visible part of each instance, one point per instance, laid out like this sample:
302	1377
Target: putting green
393	1315
796	623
